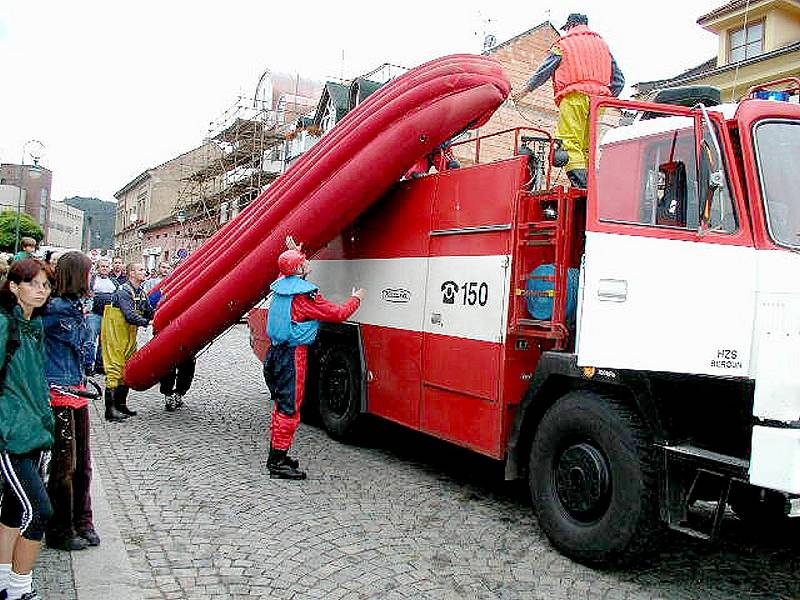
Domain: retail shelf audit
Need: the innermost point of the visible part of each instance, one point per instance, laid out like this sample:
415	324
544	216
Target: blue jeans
92	353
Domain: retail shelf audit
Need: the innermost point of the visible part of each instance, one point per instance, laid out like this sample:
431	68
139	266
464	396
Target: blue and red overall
293	323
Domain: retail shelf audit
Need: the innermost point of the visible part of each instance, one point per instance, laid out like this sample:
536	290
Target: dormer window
329	118
746	42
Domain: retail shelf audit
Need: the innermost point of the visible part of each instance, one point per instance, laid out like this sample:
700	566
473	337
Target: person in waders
581	66
129	310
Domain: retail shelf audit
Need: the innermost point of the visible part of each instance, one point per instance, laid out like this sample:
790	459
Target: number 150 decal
468	293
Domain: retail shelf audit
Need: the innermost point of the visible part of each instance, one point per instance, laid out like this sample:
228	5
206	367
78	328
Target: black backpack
12	343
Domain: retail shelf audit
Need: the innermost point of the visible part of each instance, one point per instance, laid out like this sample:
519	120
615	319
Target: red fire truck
630	349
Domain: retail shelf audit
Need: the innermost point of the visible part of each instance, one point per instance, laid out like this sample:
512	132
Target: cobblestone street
400	516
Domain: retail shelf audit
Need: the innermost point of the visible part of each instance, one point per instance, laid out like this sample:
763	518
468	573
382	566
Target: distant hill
99	217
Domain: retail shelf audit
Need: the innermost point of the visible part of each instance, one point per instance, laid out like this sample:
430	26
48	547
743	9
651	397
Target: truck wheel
759	507
593	480
339	392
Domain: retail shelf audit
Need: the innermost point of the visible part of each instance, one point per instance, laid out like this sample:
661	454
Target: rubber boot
279	468
287	460
578	177
112	414
121	400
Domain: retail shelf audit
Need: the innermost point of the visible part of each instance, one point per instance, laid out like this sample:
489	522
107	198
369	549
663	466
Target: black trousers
25	504
70	475
179	380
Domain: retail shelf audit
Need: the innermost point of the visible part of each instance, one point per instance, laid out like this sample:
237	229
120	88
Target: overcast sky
114	87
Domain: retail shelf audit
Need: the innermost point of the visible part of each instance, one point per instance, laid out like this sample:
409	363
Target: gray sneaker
178	400
169	402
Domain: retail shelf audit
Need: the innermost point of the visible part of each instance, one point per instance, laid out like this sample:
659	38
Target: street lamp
36	153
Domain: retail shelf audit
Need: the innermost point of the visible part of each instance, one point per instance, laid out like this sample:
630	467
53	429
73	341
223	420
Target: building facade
10	197
150	197
36	183
65	227
759	42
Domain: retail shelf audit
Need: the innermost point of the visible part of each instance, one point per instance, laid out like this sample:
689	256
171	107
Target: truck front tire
593	480
339	392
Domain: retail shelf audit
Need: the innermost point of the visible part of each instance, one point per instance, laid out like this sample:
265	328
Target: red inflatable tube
345	182
426	72
368	127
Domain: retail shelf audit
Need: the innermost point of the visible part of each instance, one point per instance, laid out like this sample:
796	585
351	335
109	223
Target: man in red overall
292	325
581	66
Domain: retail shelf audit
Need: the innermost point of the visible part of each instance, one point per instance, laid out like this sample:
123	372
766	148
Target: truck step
542	225
732	465
690	531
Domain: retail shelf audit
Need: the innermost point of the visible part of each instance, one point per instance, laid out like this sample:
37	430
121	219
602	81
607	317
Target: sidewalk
95	573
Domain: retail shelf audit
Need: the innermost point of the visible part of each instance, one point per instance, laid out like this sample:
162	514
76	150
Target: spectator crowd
63	319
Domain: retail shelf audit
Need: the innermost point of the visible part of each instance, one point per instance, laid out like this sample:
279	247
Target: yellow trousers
119	344
573	129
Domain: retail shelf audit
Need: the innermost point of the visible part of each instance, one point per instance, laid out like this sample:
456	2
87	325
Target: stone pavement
400	516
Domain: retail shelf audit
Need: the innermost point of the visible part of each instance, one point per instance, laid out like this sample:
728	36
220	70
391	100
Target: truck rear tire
339	392
593	480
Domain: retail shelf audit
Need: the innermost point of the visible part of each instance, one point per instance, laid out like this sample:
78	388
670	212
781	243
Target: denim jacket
65	332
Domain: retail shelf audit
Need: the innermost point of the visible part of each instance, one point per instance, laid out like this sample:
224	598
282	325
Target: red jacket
308	307
585	64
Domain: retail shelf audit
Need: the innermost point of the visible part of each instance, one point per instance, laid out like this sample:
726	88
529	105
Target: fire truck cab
630	349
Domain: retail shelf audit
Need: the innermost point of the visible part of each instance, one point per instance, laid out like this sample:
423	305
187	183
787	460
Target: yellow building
759	41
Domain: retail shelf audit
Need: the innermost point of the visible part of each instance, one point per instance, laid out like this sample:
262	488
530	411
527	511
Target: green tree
8	225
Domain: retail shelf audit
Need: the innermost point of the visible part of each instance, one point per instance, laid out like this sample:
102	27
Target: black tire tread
648	528
347	430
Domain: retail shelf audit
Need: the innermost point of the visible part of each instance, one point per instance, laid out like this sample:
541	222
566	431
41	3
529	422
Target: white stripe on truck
460	296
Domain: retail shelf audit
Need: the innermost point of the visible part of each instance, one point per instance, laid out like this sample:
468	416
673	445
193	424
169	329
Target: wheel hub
338	389
582	482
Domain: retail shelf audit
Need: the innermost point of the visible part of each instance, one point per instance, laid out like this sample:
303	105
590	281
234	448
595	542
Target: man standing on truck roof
581	65
292	325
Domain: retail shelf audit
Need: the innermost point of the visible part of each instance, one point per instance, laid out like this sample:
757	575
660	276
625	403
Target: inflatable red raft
342	175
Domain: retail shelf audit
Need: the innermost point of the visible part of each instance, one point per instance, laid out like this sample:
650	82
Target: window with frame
652	180
746	42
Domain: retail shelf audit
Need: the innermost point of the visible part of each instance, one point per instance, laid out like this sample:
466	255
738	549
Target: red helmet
290	261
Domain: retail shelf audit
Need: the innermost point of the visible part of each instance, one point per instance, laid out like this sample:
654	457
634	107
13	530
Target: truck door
466	305
657	293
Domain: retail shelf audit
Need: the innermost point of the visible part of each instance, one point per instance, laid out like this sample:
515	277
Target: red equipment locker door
466	305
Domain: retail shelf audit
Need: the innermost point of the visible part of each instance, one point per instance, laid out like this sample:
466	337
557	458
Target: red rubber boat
343	174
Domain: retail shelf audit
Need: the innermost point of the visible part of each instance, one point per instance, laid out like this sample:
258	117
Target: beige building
759	41
65	228
11	196
520	57
150	197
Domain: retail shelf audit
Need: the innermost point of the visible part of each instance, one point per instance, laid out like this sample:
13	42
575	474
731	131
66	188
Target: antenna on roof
489	39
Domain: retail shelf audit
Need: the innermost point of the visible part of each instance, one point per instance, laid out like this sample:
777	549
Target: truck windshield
777	148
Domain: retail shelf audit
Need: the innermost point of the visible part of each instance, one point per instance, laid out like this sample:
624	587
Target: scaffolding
244	154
